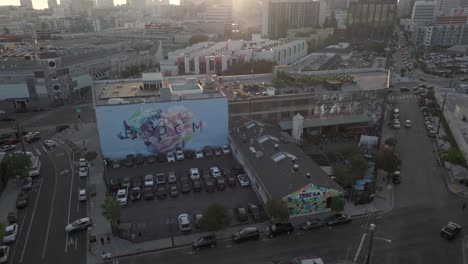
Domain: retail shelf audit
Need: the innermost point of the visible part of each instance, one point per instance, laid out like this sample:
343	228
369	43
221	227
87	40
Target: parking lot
151	219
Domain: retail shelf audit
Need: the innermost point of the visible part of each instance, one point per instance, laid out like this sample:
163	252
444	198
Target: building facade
371	20
280	15
26	3
220	14
423	14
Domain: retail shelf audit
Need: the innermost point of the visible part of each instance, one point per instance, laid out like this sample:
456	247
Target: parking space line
37	151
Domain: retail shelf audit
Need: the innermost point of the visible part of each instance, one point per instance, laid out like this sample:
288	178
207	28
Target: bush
337	204
215	218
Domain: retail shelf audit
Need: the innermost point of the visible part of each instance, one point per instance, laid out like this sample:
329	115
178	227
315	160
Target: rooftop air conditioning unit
52	64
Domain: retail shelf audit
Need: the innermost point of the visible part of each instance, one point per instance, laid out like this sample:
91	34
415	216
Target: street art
309	199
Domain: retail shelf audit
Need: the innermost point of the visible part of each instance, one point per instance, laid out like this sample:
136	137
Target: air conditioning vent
52	64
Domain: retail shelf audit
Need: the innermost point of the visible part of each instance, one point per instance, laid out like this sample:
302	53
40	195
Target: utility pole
441	112
371	242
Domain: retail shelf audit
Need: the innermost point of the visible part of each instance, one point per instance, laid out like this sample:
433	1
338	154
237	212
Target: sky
41	4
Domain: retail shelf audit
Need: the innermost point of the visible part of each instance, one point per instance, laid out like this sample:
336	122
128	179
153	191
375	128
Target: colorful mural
309	199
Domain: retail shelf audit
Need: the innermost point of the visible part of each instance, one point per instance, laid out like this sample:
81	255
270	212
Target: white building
423	14
217	57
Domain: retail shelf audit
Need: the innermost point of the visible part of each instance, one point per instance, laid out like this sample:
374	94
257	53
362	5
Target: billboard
150	128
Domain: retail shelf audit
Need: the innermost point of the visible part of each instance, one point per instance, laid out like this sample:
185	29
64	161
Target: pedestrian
102	241
463	206
108	239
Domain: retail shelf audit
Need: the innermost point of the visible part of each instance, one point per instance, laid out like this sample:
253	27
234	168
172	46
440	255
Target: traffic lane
414	233
30	244
331	244
67	114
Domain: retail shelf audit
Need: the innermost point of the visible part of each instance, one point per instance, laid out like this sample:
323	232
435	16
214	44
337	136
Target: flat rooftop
270	153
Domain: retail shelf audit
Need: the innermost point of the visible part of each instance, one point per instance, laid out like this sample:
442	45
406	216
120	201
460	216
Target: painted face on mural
162	131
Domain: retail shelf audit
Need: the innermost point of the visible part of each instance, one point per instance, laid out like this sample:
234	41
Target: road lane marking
360	247
37	151
30	223
52	209
45	150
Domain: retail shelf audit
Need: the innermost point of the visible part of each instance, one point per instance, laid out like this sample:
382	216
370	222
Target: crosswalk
42	150
405	96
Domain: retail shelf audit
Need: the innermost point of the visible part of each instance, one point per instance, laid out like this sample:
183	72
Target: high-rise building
423	14
220	14
445	6
371	20
105	3
280	15
26	3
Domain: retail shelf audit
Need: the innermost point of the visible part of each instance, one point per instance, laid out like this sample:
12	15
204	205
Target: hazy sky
40	4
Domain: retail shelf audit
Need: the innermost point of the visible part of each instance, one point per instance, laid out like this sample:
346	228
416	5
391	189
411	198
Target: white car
408	123
243	180
194	174
122	196
11	232
6	148
82	195
31	135
396	125
50	143
225	149
198	153
215	172
83	171
83	163
179	154
170	157
184	222
4	254
79	224
149	180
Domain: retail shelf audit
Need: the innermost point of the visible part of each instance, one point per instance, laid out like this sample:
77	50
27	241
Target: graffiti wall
161	127
309	199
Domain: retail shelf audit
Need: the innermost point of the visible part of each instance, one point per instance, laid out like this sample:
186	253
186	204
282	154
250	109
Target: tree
337	204
215	218
387	160
402	71
353	167
391	141
111	209
277	210
16	165
454	156
197	39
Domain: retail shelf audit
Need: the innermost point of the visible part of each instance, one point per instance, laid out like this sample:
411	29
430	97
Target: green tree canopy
337	204
387	160
277	210
391	141
111	209
197	39
353	168
454	156
215	218
16	164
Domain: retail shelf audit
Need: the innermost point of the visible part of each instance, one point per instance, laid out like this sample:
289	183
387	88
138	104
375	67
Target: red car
13	141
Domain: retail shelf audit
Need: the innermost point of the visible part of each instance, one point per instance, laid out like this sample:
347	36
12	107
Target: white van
396	111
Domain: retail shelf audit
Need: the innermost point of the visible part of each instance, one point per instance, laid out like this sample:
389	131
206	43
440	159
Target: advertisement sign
162	126
309	199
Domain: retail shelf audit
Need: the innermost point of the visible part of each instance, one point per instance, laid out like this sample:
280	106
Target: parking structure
157	218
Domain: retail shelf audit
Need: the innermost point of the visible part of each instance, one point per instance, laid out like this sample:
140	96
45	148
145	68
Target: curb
150	251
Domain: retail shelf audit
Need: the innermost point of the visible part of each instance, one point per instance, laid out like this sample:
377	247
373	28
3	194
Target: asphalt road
53	204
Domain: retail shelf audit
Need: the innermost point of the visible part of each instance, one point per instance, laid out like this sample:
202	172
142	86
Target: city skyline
41	4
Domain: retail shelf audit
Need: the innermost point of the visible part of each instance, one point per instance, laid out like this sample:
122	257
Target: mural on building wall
161	127
309	199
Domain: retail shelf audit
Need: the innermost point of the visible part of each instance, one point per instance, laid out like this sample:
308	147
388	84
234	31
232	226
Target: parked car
4	254
204	242
10	234
151	159
149	180
148	193
241	214
254	211
184	185
122	196
208	152
173	190
126	183
22	200
196	185
179	154
27	183
209	184
160	178
135	193
139	160
114	184
338	219
312	224
79	224
225	149
137	182
160	157
161	191
217	151
198	153
50	143
450	231
245	234
215	172
129	161
83	171
171	178
170	157
6	148
184	223
279	229
243	180
82	162
408	123
12	217
396	177
220	183
189	154
82	195
197	218
194	173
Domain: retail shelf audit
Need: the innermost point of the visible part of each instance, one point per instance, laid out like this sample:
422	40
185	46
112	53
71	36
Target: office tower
280	15
26	3
371	20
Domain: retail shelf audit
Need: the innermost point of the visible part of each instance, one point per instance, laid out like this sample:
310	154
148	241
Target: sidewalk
8	199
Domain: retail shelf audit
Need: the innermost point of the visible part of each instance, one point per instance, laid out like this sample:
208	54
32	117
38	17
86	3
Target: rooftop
272	154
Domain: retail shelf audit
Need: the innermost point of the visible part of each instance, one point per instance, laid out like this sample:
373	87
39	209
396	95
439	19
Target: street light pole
371	242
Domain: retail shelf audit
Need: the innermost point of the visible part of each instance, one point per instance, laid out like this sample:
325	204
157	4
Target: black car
129	161
209	184
137	182
135	193
220	183
241	214
148	193
22	201
139	159
151	159
184	185
161	191
196	185
189	154
12	217
205	242
450	230
254	211
208	152
404	89
245	234
338	219
160	157
312	224
60	128
173	190
279	229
